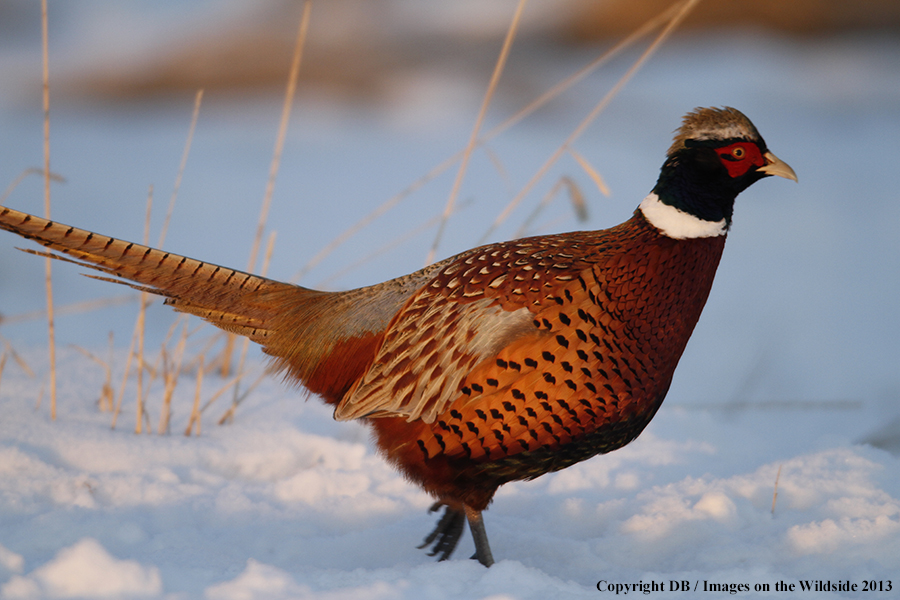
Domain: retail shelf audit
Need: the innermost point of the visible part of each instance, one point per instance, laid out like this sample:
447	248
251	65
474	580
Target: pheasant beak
775	166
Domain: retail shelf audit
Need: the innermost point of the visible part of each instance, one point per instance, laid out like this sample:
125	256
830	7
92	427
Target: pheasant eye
738	153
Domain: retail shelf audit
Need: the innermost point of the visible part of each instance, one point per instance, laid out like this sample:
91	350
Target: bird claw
447	532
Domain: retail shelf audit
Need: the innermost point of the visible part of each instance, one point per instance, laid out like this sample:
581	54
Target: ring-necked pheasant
504	362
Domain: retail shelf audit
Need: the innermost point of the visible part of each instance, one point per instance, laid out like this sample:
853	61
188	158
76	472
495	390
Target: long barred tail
302	329
219	295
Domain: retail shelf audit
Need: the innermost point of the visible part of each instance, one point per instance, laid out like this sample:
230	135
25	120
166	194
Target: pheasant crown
714	124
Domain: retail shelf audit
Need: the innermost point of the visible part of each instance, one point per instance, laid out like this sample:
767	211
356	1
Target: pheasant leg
479	535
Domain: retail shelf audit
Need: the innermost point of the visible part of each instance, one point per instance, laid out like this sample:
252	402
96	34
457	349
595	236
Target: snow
86	569
789	385
287	503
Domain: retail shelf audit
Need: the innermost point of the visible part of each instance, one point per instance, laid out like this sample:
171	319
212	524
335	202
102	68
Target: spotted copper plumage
502	363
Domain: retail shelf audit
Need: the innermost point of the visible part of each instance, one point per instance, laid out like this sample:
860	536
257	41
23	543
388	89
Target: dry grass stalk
576	199
8	351
282	135
107	395
498	165
195	411
574	193
68	309
289	93
225	356
198	99
386	206
2	364
158	368
529	109
51	329
245	345
231	382
170	377
146	416
228	416
118	407
135	354
595	112
165	408
476	129
270	248
40	397
373	254
591	171
25	173
775	493
8	347
169	382
104	402
161	367
209	343
155	369
140	326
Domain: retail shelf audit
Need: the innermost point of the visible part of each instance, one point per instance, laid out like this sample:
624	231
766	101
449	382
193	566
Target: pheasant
502	363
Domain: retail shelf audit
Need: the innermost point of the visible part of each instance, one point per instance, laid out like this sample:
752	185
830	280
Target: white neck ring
678	224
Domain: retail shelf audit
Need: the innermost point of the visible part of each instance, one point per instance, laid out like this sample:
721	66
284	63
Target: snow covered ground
792	375
287	503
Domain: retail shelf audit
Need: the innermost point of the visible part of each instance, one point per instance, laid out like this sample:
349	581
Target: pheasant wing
479	303
428	349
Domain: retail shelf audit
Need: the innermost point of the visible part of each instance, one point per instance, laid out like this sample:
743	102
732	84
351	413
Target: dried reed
118	407
591	171
397	241
575	195
141	325
245	345
69	309
228	416
105	401
775	493
476	129
198	100
48	272
25	173
171	373
2	364
8	347
195	411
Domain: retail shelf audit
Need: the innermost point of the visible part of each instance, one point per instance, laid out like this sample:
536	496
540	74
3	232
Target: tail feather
323	340
220	295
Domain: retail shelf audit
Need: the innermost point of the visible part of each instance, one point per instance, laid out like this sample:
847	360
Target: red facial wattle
740	157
